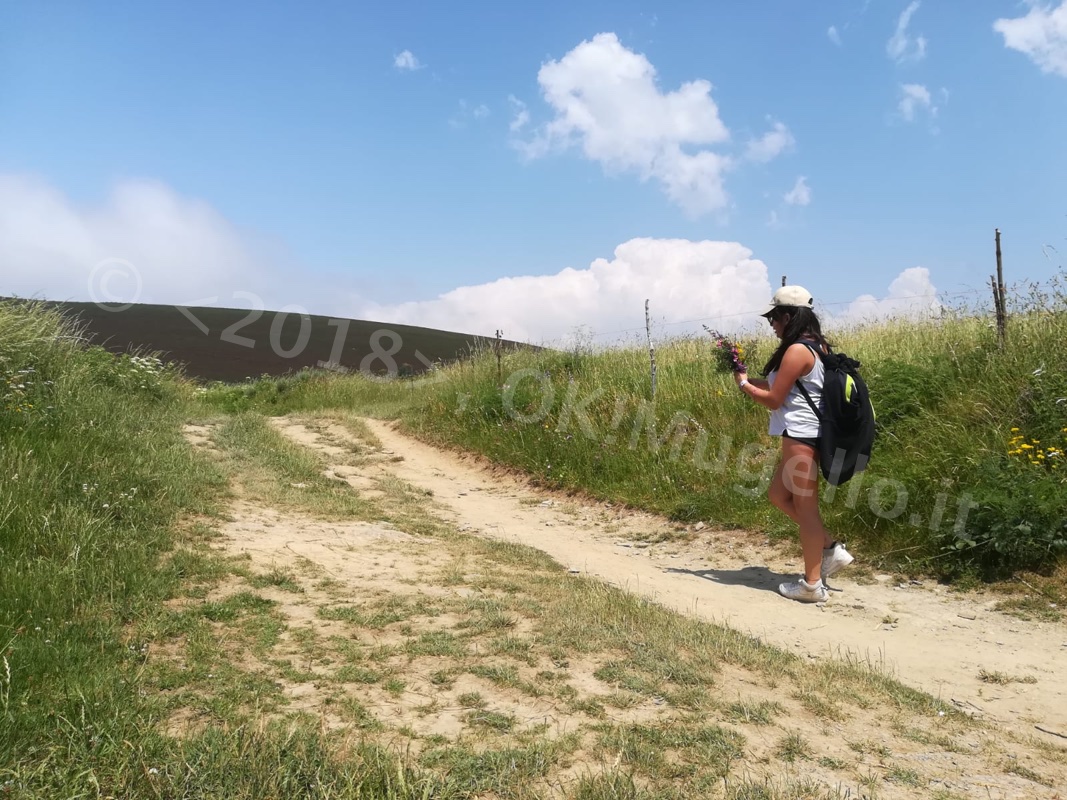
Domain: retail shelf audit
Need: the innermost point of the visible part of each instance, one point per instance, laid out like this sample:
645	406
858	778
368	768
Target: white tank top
795	415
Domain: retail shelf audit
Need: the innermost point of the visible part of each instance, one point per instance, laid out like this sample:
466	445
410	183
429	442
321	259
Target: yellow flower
1015	430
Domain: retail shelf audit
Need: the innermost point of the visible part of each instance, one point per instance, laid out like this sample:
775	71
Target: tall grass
965	475
94	471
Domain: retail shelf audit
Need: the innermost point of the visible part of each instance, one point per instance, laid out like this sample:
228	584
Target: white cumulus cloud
406	61
465	112
771	145
915	97
521	116
901	45
911	295
687	283
683	279
145	243
800	194
148	244
606	101
1041	35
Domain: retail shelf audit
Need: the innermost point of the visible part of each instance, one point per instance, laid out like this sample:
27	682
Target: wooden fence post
498	346
651	349
999	296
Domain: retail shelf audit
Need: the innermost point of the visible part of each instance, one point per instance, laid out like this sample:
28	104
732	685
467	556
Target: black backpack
847	427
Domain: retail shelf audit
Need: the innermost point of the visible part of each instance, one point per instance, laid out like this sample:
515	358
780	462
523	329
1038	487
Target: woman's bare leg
800	474
791	477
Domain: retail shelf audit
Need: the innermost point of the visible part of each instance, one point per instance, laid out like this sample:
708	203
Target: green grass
754	713
675	752
1025	772
793	746
1003	678
902	775
279	578
278	471
504	771
95	474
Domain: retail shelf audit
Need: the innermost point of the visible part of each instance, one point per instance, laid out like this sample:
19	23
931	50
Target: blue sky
530	167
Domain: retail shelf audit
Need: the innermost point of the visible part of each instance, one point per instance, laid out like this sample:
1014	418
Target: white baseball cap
792	296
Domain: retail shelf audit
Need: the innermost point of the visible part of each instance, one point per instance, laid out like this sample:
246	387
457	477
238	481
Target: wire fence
940	298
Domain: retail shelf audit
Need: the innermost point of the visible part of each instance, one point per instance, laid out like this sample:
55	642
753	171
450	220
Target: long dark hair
803	324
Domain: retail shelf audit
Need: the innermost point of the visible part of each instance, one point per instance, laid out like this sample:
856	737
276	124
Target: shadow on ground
754	577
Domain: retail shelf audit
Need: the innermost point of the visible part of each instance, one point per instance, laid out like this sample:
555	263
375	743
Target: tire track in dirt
940	641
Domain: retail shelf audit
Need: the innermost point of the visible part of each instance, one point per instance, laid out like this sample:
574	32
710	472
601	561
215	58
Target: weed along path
1010	671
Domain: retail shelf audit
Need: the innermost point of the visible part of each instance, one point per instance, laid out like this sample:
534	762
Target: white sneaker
835	559
804	592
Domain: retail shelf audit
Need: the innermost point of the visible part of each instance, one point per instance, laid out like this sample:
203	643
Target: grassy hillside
229	344
965	477
95	472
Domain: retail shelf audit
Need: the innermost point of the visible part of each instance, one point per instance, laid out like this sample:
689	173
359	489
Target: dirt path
926	636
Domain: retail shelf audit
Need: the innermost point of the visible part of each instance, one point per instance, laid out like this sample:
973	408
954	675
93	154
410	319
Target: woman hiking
795	486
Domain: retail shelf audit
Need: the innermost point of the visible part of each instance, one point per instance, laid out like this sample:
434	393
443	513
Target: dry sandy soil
924	634
940	642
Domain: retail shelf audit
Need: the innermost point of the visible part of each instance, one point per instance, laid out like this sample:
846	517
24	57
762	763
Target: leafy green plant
904	390
1020	522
